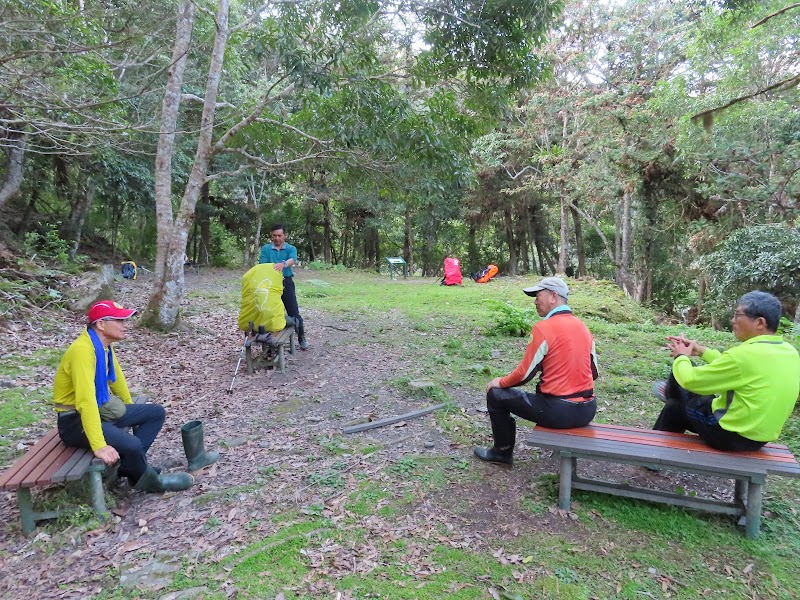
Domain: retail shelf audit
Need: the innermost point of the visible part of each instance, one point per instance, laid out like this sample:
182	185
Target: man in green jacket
741	398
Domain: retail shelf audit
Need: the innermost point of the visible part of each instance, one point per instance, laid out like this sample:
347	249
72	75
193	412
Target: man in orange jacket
562	353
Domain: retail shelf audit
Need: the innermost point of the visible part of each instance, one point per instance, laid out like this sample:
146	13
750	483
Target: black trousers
289	298
146	421
543	409
685	410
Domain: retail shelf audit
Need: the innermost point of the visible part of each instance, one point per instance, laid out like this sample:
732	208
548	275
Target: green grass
19	409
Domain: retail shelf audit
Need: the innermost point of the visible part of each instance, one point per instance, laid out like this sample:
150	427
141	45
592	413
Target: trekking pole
238	363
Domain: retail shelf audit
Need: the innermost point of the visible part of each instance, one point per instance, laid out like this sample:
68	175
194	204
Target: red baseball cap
108	309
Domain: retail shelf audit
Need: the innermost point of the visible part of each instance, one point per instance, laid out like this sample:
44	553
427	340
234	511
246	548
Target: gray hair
761	304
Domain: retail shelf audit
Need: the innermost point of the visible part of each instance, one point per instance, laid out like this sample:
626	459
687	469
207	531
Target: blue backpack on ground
129	270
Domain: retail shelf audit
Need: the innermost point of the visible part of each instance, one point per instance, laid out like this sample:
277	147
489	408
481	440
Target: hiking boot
502	457
192	434
301	334
154	482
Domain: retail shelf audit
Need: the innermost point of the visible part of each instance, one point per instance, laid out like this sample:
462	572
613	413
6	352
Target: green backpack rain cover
262	288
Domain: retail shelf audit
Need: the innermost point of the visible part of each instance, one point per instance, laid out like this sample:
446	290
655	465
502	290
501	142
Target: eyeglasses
739	314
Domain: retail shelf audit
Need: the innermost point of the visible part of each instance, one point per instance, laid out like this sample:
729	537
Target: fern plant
511	321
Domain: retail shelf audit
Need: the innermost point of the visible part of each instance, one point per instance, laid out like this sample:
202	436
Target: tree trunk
625	245
310	246
30	208
473	256
257	236
408	247
194	242
204	219
512	251
524	244
15	154
346	237
377	248
163	309
563	238
579	247
248	248
428	268
74	225
327	243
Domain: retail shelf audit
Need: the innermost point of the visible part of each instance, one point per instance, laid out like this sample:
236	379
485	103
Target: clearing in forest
297	509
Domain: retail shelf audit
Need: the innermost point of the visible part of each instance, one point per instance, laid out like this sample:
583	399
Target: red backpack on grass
452	271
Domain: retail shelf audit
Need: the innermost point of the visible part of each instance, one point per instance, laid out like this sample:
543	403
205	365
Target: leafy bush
48	245
511	321
224	248
763	257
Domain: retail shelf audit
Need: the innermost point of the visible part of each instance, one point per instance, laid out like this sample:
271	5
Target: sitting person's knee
156	412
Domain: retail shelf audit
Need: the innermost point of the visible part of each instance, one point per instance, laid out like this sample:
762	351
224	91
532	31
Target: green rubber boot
192	434
152	481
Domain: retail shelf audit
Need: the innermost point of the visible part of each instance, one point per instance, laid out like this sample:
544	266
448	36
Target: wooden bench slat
79	469
43	473
273	352
283	336
775	452
50	461
620	451
600	429
638	431
61	474
732	463
20	470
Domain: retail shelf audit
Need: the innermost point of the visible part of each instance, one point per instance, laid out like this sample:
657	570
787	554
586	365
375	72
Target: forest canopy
649	142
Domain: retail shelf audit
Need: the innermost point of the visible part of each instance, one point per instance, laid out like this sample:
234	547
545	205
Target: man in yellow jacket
89	417
740	399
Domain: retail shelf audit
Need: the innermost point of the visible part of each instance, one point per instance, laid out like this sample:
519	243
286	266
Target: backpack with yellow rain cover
262	288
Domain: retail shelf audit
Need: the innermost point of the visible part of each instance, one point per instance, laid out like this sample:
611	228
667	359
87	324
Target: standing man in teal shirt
740	399
284	256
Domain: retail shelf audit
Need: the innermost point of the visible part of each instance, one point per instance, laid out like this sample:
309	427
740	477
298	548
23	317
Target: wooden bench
663	450
49	461
273	349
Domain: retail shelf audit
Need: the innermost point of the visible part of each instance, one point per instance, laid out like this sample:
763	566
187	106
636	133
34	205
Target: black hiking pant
684	410
289	298
542	409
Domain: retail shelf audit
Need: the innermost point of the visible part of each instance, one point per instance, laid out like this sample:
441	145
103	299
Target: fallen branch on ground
391	420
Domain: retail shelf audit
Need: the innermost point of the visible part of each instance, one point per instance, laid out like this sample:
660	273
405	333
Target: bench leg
98	493
754	505
25	504
566	472
740	491
281	359
248	353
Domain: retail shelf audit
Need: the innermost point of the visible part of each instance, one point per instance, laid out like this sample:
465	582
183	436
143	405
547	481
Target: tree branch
775	14
707	116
